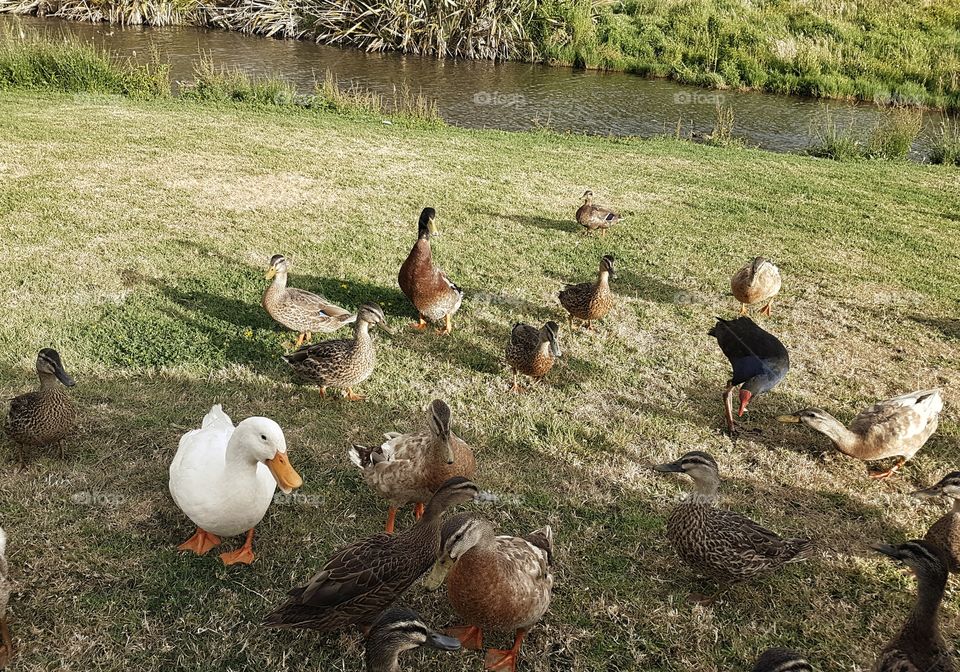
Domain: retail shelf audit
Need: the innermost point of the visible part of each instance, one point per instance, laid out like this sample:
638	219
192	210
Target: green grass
137	234
946	146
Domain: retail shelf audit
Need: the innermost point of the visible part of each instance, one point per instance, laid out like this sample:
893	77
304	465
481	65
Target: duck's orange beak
286	476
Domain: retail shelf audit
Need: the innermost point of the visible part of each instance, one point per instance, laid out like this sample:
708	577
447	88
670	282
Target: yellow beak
270	273
286	476
788	418
438	574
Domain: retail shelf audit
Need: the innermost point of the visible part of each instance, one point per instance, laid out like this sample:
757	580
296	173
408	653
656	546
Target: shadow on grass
948	326
539	222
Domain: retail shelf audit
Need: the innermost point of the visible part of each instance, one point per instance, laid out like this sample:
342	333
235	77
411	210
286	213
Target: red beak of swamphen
744	400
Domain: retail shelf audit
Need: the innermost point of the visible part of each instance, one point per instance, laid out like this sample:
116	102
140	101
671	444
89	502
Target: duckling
590	301
758	359
896	427
410	467
298	309
6	587
342	363
756	282
46	416
721	544
919	646
532	351
594	217
429	289
782	660
366	577
397	630
498	583
945	533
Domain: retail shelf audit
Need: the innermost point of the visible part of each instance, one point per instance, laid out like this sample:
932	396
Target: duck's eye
263	437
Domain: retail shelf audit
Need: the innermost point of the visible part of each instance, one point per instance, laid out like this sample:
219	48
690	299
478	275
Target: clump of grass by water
946	144
835	140
894	134
31	60
353	98
722	134
229	85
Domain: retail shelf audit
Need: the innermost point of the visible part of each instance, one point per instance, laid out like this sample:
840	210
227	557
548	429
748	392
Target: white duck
224	478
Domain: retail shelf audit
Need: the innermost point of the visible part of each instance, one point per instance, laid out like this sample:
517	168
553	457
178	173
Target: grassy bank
141	230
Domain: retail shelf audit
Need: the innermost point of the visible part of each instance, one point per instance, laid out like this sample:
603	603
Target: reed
893	136
228	85
832	139
946	144
722	134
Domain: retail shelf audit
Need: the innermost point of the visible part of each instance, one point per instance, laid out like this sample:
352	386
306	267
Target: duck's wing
751	541
313	305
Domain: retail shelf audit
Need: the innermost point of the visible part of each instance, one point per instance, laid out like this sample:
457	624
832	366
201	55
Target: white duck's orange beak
286	476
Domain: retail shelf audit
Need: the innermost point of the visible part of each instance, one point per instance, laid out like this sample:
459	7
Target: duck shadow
648	288
947	326
539	222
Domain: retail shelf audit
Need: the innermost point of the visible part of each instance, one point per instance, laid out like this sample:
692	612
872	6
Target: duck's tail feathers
360	455
800	549
216	416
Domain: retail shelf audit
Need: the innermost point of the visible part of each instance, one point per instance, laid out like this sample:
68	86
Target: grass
946	147
141	232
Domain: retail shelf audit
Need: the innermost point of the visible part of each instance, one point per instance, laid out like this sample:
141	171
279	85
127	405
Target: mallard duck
945	533
364	578
532	351
397	630
782	660
410	467
498	583
6	587
429	289
342	363
896	427
590	301
756	282
223	478
759	361
594	217
919	646
721	544
298	309
48	415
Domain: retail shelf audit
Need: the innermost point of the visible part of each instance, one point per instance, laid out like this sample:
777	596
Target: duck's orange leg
391	519
243	555
353	396
201	542
447	328
883	475
323	392
300	339
470	636
498	659
421	325
6	643
768	309
418	510
743	309
516	383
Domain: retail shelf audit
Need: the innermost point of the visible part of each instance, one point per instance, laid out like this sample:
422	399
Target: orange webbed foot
418	510
419	326
498	659
201	542
470	636
353	396
243	555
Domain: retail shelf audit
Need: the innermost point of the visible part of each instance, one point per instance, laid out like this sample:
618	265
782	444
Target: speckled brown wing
587	301
595	217
899	426
40	418
945	533
522	349
311	312
897	659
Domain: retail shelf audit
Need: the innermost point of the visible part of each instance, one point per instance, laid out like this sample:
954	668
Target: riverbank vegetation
883	51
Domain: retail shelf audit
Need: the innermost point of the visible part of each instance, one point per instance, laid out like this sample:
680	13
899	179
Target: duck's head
587	196
399	629
782	660
811	417
278	265
427	225
372	314
606	266
440	419
948	486
925	560
262	440
453	491
49	365
459	534
550	333
696	464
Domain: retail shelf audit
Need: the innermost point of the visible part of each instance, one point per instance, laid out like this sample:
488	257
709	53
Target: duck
6	587
945	533
429	289
223	479
532	351
756	282
298	309
758	359
494	583
400	629
919	646
342	363
723	545
782	660
46	416
410	467
367	576
897	427
589	301
594	217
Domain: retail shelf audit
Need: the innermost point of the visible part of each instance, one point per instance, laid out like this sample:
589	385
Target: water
480	94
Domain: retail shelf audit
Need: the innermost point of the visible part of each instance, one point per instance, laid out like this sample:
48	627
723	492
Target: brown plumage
945	533
532	351
364	578
48	415
721	544
429	289
590	301
594	217
410	467
756	282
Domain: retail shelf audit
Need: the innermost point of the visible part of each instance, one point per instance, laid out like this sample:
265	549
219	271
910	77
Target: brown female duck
589	301
594	217
497	583
532	351
48	415
410	467
429	289
366	577
945	533
756	282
